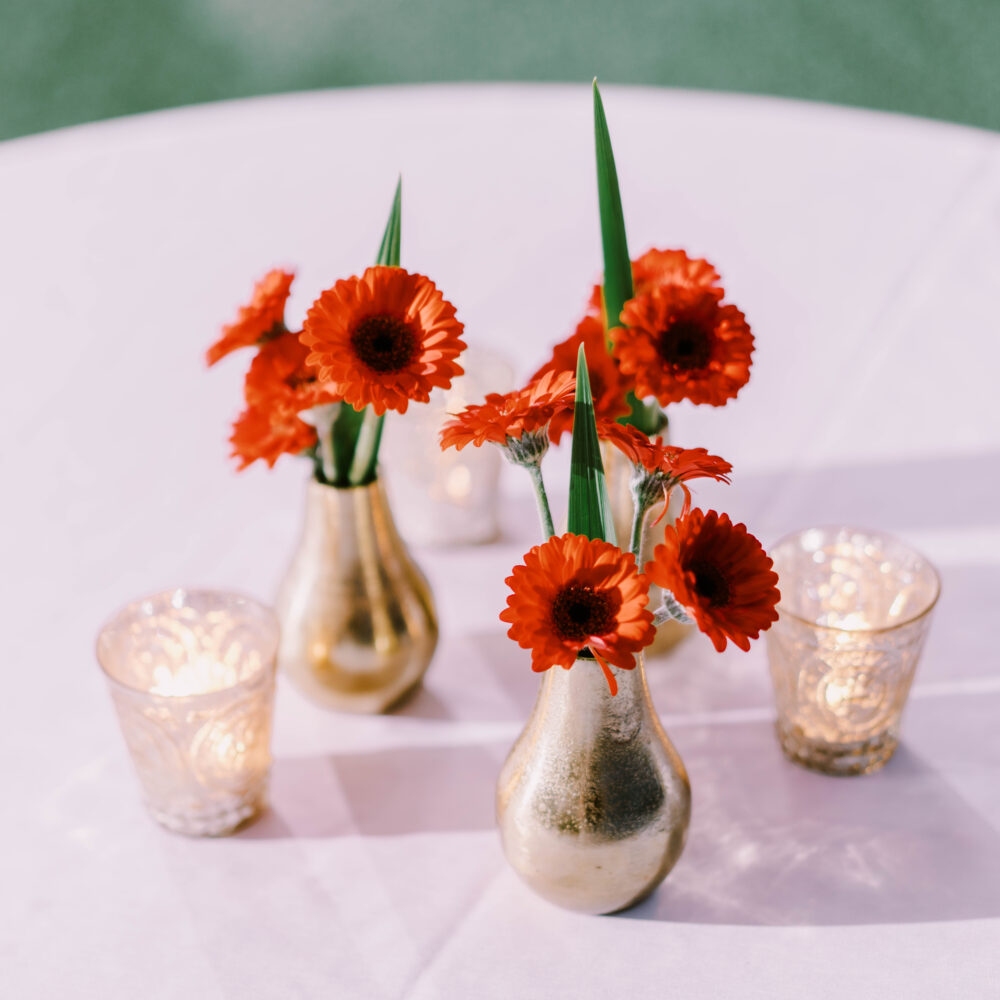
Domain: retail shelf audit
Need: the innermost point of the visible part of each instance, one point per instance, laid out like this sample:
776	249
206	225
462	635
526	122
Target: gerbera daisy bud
528	449
648	488
719	574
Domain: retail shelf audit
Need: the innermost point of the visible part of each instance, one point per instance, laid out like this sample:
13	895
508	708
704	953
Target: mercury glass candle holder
854	611
447	497
191	674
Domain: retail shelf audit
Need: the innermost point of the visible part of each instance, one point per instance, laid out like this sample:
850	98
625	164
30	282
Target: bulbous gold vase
358	625
593	801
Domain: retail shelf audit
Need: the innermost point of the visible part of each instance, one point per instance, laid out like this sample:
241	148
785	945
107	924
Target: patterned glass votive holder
447	498
854	611
191	674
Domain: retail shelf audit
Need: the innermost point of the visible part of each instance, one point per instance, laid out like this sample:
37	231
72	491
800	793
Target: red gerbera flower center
384	343
710	583
579	611
685	344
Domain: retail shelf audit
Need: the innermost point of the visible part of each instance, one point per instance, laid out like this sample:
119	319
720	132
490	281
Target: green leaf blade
358	434
617	264
589	505
345	432
388	251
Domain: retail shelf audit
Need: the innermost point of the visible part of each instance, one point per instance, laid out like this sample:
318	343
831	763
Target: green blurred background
69	61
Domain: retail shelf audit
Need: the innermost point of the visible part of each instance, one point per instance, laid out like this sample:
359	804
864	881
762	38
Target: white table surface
864	249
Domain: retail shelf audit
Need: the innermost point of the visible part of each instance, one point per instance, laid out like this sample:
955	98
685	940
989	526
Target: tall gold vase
358	625
618	472
593	802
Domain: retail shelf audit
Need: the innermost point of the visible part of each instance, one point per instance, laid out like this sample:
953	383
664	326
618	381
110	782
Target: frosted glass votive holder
854	612
191	674
450	497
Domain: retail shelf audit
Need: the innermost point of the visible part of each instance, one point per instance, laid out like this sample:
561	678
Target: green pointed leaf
388	251
617	265
366	450
360	433
345	432
589	506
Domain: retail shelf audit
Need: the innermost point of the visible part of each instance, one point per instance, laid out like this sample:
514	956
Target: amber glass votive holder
191	674
854	611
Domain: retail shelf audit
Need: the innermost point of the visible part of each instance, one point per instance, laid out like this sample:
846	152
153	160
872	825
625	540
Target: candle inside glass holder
447	497
191	674
855	608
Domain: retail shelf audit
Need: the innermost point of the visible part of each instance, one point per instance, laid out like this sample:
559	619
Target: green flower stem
646	417
637	524
323	419
541	497
366	451
648	489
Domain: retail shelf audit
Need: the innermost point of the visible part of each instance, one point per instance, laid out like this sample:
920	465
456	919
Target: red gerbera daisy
384	339
279	378
263	318
512	414
607	384
666	465
575	593
654	455
267	434
680	343
659	268
719	573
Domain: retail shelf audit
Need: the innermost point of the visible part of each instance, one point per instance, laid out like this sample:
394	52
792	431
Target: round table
863	249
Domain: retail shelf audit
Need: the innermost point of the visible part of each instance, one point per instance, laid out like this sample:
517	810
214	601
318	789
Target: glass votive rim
230	600
831	531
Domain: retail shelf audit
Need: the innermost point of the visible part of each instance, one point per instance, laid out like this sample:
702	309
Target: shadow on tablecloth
899	496
382	793
773	844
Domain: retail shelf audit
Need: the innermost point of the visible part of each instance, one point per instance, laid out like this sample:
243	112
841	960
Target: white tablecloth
863	249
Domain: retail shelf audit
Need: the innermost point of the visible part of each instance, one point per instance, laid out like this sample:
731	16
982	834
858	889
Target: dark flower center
710	584
580	611
300	378
685	344
384	343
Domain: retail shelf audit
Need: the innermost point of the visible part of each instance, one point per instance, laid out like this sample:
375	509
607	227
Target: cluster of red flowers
384	339
574	594
674	340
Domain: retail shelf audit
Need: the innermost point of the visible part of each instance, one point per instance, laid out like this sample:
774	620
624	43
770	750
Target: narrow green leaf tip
589	505
617	265
388	251
357	435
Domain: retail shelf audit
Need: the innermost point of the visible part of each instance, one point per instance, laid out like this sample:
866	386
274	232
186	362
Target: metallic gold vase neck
583	692
358	620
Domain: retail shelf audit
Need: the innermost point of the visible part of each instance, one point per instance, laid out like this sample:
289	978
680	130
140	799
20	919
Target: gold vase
618	472
593	801
358	625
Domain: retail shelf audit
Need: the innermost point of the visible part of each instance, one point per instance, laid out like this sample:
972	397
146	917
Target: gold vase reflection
593	801
358	624
618	473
